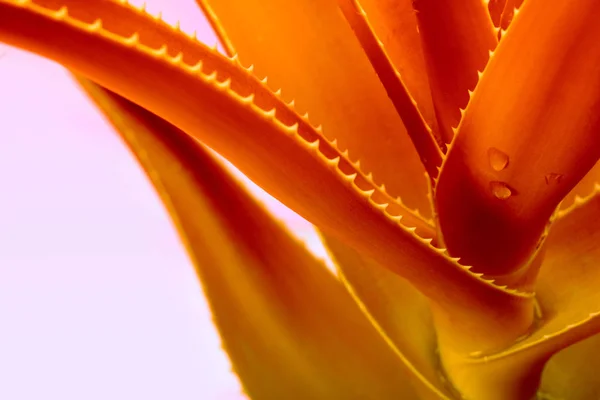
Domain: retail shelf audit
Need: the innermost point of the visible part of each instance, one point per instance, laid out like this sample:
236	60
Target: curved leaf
569	302
286	323
513	161
215	101
420	133
397	309
572	374
395	24
457	37
307	48
584	188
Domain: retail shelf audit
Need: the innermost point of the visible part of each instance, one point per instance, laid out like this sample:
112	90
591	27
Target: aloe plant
449	161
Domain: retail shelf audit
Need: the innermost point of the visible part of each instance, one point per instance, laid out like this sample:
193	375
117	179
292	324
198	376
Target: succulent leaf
457	38
309	50
462	289
395	24
287	324
540	92
384	296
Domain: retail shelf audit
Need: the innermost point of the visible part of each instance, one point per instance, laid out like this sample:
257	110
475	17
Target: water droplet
500	190
553	179
498	159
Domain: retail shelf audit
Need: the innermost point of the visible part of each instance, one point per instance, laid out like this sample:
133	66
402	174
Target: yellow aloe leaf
567	286
216	101
569	303
572	374
583	189
457	37
307	49
395	25
503	179
396	308
287	325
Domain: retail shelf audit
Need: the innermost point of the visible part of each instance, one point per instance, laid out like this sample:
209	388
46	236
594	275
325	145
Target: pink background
97	297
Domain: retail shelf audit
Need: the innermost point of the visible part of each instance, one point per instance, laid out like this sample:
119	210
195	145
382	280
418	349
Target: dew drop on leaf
498	159
553	179
500	190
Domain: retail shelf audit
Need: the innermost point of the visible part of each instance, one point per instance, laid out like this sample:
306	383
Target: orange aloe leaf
569	302
495	8
307	49
508	12
457	37
395	25
215	100
222	105
400	312
420	133
504	177
287	325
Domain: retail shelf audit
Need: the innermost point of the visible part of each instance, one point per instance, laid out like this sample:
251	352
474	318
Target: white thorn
178	57
249	99
162	50
315	144
197	67
369	193
225	84
133	39
212	76
62	12
334	161
293	127
97	25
